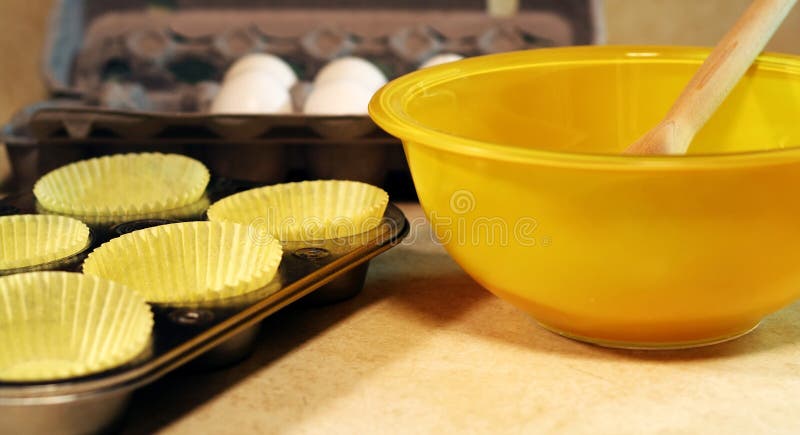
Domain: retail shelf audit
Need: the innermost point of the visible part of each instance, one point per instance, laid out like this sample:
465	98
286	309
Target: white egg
263	62
252	92
342	97
440	59
354	69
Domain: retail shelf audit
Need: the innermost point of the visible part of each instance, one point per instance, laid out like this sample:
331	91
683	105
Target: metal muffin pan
209	335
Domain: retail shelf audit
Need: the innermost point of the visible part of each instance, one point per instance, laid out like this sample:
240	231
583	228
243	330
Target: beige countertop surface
424	349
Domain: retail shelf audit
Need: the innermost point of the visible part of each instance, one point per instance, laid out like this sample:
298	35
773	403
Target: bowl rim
387	108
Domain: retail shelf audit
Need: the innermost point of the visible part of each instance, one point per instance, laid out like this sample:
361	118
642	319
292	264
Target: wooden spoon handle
715	78
727	64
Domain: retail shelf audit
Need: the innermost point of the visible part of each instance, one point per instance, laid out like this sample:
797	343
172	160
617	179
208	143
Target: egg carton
139	75
198	336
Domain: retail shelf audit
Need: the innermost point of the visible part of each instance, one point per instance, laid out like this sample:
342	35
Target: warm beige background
687	22
692	22
23	24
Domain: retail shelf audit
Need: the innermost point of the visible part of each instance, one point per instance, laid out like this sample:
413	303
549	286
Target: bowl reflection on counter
515	158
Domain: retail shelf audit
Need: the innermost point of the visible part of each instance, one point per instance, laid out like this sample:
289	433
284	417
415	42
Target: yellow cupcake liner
187	212
188	262
305	211
32	240
58	325
123	184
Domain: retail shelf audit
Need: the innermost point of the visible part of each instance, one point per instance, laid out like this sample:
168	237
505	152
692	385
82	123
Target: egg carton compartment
140	75
162	45
203	336
291	151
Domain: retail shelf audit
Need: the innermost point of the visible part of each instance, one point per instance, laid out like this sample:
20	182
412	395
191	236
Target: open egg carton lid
142	69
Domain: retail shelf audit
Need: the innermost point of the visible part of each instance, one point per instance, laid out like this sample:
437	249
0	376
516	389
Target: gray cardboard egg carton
130	75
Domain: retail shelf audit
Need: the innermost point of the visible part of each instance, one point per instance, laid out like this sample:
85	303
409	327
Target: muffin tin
130	76
209	335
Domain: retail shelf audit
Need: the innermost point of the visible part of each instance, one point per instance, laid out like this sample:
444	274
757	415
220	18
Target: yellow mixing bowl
515	158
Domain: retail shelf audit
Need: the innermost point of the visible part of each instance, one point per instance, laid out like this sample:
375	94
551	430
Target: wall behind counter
687	22
23	24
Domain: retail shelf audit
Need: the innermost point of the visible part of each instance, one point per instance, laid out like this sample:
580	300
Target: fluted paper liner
308	210
32	240
187	212
57	325
188	262
123	184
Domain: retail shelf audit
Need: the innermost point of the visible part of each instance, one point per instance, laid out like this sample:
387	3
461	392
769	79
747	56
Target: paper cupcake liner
188	262
308	210
32	240
190	211
123	184
58	325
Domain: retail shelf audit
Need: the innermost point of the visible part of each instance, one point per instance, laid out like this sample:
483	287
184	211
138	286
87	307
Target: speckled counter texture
425	350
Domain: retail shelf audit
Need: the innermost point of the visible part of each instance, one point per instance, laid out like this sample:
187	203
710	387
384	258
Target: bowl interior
597	100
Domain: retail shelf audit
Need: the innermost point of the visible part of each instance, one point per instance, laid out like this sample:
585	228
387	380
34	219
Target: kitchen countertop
424	349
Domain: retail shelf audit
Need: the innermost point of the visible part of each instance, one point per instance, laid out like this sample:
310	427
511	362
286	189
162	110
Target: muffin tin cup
356	203
105	227
209	263
314	254
123	185
60	326
53	243
209	336
77	415
347	286
305	211
195	316
231	351
67	264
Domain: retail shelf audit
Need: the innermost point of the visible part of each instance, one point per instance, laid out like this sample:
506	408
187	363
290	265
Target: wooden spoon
714	80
